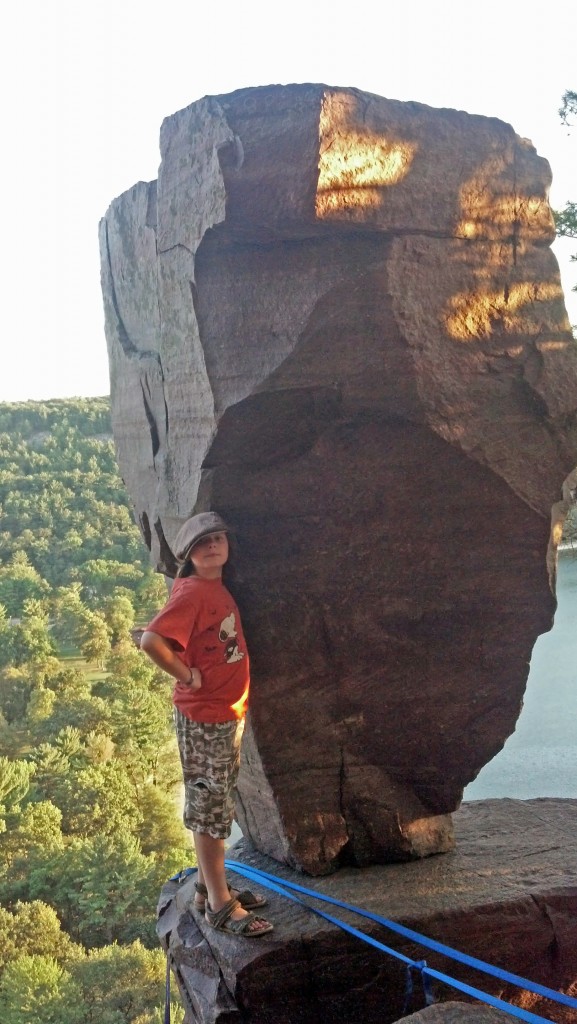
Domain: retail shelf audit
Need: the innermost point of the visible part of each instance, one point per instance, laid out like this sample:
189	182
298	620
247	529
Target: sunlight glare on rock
355	163
474	315
488	203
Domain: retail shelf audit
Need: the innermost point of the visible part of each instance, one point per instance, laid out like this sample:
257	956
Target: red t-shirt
202	621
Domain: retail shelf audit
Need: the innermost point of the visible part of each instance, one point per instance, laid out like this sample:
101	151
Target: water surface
540	758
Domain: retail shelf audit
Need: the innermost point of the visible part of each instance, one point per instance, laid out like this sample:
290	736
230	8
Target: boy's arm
163	654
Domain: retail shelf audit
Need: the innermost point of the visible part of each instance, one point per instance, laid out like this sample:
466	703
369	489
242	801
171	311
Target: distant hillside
64	511
90	783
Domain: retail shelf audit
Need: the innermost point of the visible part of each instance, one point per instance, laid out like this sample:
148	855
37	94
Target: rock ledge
507	895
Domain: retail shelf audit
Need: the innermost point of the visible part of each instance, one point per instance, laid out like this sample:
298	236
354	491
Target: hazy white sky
86	86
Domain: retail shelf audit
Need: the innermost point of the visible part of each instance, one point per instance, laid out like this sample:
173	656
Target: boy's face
209	555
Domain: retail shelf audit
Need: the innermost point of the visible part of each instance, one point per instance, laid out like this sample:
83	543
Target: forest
90	824
89	776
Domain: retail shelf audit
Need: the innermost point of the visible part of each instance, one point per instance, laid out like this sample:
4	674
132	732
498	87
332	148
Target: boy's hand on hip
195	681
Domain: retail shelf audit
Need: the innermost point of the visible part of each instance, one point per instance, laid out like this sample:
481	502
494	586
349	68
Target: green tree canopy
34	928
39	828
63	504
124	984
19	581
566	219
14	781
90	827
37	988
96	637
100	888
119	614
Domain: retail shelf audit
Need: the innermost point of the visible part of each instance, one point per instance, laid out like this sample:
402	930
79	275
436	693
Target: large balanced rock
336	319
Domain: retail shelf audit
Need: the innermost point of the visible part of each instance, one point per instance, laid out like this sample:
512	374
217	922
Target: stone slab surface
458	1013
507	894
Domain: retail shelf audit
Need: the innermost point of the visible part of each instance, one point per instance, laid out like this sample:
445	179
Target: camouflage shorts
210	758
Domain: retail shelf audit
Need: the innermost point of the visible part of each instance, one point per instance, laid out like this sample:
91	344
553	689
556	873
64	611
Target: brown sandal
222	921
247	899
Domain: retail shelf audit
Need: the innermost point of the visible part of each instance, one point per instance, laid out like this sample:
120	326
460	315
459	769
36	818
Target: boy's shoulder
204	599
182	583
195	585
186	586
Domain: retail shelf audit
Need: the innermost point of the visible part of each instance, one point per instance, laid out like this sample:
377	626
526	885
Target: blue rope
167	990
270	881
427	990
179	877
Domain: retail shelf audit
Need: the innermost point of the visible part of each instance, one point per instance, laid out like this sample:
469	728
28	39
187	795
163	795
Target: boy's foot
233	919
247	899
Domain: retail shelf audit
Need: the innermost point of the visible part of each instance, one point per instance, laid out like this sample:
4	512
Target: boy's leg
210	857
210	757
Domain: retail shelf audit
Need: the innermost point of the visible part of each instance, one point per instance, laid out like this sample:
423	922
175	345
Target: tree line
90	823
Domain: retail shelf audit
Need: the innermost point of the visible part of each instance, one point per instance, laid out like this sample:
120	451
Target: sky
86	86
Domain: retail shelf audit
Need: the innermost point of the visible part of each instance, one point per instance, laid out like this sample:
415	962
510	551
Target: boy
197	638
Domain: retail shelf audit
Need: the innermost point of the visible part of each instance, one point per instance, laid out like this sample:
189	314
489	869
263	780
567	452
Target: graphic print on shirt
227	635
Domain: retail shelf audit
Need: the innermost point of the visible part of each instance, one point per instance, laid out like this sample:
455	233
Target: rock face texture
335	318
507	895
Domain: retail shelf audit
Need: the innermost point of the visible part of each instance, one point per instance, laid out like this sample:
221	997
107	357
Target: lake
540	758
